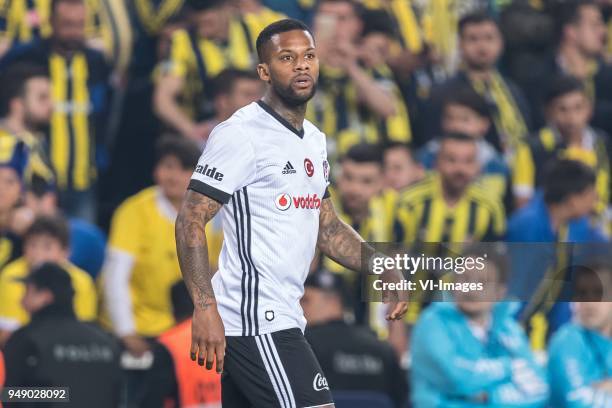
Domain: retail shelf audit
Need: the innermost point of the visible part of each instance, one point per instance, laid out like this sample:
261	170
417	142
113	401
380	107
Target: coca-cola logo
320	383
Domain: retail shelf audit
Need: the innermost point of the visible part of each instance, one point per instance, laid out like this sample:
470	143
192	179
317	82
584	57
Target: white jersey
271	179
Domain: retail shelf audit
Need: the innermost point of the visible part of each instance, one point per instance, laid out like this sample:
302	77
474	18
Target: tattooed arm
208	337
341	243
338	240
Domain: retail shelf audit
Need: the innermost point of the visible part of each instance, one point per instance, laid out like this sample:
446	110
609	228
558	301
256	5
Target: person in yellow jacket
216	38
46	240
141	263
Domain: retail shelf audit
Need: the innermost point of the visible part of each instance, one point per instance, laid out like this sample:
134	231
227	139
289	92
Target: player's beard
290	97
34	124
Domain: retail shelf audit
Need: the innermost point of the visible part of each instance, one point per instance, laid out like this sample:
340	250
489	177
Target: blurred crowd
447	122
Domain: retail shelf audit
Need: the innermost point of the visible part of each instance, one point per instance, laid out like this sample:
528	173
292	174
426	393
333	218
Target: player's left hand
397	299
397	310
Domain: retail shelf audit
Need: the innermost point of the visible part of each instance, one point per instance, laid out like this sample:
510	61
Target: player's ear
263	71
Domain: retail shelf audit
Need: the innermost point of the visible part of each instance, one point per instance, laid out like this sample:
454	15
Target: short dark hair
400	145
182	306
224	83
562	85
14	80
185	150
379	21
468	97
592	270
568	12
281	26
564	178
477	17
54	226
201	5
364	153
54	278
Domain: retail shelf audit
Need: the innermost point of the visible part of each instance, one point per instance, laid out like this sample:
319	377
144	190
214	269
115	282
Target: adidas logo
289	169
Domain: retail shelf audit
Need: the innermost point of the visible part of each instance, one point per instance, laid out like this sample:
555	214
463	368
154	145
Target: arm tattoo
338	240
191	246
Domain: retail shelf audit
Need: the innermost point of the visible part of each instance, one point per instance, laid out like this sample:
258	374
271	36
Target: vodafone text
308	202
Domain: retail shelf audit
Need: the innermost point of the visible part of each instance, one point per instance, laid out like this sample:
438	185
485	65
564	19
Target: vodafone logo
309	202
309	167
283	202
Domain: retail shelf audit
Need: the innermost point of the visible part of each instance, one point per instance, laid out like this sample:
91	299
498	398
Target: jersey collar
282	120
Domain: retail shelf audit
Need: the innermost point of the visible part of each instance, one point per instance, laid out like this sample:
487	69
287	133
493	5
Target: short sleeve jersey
272	179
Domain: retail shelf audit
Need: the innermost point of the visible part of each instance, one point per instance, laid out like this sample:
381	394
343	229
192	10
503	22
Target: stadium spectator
25	111
56	350
141	264
567	135
398	20
449	206
471	352
46	240
354	103
11	184
401	167
559	214
385	46
467	211
24	22
233	89
465	111
215	39
173	376
87	241
580	32
360	197
440	21
579	363
481	45
79	77
362	364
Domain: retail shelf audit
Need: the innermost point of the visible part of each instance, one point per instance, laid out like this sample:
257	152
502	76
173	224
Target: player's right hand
208	337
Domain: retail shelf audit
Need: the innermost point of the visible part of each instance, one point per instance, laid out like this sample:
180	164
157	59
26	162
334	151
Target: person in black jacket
79	78
352	357
579	51
56	350
481	45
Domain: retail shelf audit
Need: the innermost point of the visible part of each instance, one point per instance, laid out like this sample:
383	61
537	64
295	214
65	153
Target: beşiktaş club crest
308	167
326	170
